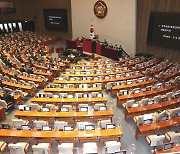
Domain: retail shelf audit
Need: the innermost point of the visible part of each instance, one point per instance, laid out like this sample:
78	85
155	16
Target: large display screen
164	30
56	19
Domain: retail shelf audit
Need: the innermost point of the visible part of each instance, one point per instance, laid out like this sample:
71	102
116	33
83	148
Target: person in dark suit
7	97
29	70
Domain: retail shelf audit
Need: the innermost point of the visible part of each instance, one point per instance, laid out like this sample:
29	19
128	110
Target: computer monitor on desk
102	108
25	127
68	128
125	93
83	109
168	146
45	109
27	108
47	128
5	126
150	102
64	109
121	152
21	107
89	127
110	126
147	119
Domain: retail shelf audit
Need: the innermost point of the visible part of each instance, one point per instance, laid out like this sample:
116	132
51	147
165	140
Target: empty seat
96	106
59	125
144	101
131	103
169	95
36	107
18	148
172	137
81	125
103	123
38	124
79	95
70	108
155	140
174	112
157	99
162	116
17	123
90	147
52	107
41	148
66	148
136	90
112	146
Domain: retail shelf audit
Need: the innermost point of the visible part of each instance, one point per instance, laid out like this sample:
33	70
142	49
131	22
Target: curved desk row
131	64
26	78
26	88
155	71
40	82
115	89
97	74
57	90
132	112
47	75
62	136
149	65
124	98
97	81
65	116
91	68
171	75
174	150
68	100
157	126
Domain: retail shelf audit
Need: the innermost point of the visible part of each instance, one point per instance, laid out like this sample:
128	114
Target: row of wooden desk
152	128
124	98
97	81
135	111
171	75
73	90
149	65
62	136
91	68
70	116
57	101
116	89
97	74
155	71
174	150
26	88
41	82
48	75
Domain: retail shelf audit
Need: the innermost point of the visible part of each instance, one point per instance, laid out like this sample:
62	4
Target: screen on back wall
56	19
164	30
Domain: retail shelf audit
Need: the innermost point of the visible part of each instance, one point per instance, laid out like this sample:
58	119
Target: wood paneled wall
33	10
144	7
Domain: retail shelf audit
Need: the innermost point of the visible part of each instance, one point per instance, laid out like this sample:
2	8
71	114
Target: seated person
8	98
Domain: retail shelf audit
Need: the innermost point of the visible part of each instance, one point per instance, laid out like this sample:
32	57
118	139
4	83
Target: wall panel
144	7
33	10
